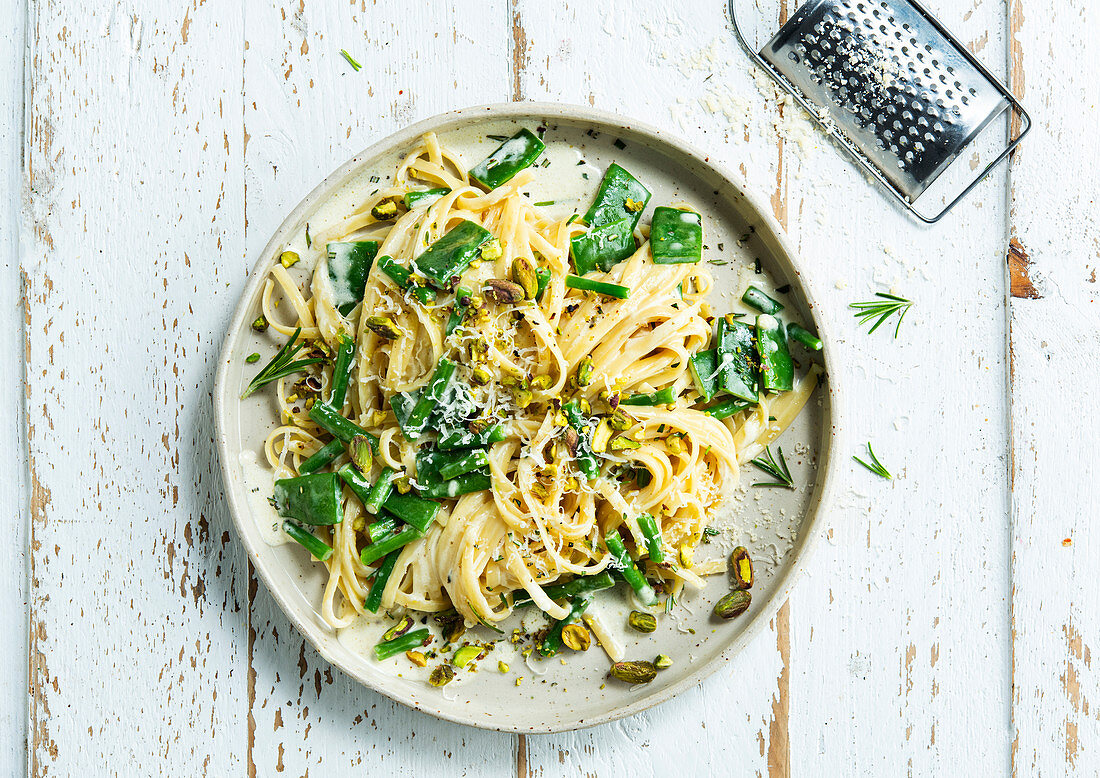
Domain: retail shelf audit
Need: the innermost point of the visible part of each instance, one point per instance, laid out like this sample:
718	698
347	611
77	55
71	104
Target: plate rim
831	438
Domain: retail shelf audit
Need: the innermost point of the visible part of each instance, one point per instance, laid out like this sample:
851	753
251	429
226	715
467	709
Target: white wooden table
150	147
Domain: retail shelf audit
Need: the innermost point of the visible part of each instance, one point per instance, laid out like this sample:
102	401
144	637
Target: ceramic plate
745	245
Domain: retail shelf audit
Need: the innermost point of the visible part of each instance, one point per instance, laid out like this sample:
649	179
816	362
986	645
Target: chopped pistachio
523	397
624	444
417	658
619	421
662	662
687	555
584	406
584	371
402	485
539	490
492	250
386	209
502	666
359	524
442	675
633	205
403	625
260	324
454	625
675	444
383	326
480	376
288	258
601	436
253	357
465	655
540	382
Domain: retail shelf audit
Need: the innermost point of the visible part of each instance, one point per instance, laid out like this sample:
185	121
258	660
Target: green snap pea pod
476	481
586	460
676	236
341	371
610	204
472	460
754	298
416	422
588	584
311	499
513	155
380	491
727	408
444	262
799	333
630	571
601	287
661	397
704	371
402	276
542	276
652	537
551	644
378	585
324	455
349	265
318	548
603	246
776	368
376	551
400	645
413	510
458	309
428	465
355	480
382	528
456	437
736	359
425	197
334	423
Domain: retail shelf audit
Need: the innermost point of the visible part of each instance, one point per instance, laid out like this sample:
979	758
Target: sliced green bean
799	333
380	491
444	262
736	358
629	570
661	397
704	371
311	499
724	410
415	511
610	205
319	549
378	584
470	461
652	537
601	287
334	423
776	368
341	370
426	197
376	551
322	457
551	644
601	248
400	645
754	298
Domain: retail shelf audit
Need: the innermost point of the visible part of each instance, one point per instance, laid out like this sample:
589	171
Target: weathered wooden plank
1054	475
900	642
306	111
13	494
675	67
133	230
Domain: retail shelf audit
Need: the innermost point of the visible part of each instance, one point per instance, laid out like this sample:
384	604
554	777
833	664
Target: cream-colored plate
777	525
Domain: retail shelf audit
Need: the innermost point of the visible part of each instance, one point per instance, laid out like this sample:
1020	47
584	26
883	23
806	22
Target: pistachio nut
442	675
733	604
454	626
289	258
523	397
584	372
417	658
398	629
361	455
576	637
619	421
503	292
662	662
383	326
502	666
540	382
624	444
687	555
741	565
260	324
480	376
601	436
675	444
642	621
523	273
492	250
570	438
384	210
584	406
465	655
634	672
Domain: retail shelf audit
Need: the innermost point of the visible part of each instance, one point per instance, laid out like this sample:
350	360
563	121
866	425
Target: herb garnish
883	309
875	467
545	202
351	60
281	365
776	469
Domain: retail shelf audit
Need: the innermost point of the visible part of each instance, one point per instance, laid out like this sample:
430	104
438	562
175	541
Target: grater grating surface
890	81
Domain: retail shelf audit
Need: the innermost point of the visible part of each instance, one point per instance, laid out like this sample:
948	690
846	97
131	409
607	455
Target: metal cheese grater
890	84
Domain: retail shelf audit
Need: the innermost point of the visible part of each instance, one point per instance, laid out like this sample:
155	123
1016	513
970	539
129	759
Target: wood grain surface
151	147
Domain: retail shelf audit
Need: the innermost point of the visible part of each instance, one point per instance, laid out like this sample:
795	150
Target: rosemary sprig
351	60
281	365
882	309
875	467
776	469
